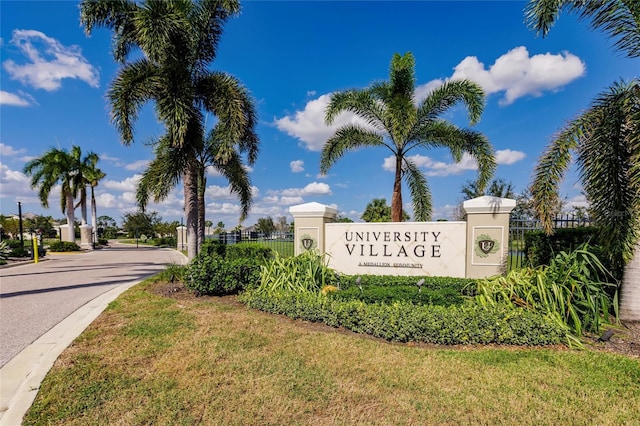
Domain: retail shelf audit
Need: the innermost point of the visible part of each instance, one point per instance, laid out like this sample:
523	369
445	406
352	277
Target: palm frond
134	85
346	138
619	19
420	192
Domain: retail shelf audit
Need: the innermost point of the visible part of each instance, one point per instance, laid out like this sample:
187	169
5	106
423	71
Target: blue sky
292	55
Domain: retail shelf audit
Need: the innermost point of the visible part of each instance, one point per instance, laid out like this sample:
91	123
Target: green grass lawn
150	359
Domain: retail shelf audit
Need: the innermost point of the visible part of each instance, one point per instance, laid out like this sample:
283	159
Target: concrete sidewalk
45	306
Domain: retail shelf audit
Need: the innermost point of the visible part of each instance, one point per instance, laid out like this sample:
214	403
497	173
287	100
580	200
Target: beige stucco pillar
487	235
309	220
181	237
64	233
86	237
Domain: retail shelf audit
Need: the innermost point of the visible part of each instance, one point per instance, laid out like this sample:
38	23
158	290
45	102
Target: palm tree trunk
630	293
71	218
202	186
396	197
83	206
190	182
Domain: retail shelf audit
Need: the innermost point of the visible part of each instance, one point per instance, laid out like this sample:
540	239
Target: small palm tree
606	141
396	123
56	166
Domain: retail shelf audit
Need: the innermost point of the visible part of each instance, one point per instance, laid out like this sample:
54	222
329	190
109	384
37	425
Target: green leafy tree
343	219
178	41
56	166
107	227
378	211
398	124
140	223
266	226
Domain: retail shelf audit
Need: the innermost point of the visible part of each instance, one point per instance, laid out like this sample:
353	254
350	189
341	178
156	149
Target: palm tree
378	211
618	18
178	40
395	122
612	177
56	166
498	188
164	173
605	140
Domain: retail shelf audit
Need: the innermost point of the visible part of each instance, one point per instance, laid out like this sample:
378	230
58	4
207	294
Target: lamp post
20	223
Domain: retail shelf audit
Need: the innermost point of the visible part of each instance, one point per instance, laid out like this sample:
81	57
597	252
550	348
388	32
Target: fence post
487	235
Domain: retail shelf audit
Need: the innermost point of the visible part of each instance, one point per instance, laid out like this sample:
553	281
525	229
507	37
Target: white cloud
12	99
508	157
223	208
297	166
137	165
309	125
129	184
517	74
288	201
440	168
49	62
314	188
9	151
13	182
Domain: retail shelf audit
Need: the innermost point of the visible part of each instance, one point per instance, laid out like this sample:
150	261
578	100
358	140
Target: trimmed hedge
406	322
221	269
216	276
62	246
388	294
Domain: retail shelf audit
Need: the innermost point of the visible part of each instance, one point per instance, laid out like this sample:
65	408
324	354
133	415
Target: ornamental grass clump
573	290
307	272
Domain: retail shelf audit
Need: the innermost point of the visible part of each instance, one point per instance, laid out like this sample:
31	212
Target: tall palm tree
618	18
56	166
164	173
605	139
178	40
395	122
87	174
612	175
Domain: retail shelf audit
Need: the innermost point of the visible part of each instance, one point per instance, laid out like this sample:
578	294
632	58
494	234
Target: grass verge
149	359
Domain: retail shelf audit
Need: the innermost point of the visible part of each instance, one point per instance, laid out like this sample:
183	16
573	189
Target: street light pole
20	223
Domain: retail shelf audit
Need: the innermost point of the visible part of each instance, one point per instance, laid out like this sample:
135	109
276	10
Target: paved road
44	306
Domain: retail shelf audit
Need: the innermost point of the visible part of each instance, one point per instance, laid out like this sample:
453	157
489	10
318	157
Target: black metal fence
519	226
280	241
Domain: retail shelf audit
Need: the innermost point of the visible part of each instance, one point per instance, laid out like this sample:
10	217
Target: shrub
208	275
404	322
259	253
103	242
5	250
572	290
62	246
540	248
306	272
165	242
213	248
173	273
465	286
